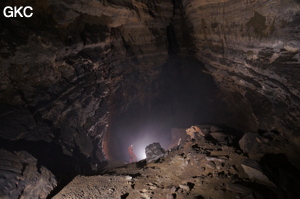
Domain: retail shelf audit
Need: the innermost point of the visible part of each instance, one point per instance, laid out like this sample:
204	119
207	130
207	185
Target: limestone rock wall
63	69
72	66
252	50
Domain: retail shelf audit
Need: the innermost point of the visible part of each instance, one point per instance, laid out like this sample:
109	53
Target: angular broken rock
184	187
154	151
128	178
215	159
253	170
169	196
210	165
173	189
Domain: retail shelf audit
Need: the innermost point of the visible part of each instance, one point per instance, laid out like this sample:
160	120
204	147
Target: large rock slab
253	170
22	177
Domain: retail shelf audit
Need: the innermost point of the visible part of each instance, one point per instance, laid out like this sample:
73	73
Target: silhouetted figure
131	154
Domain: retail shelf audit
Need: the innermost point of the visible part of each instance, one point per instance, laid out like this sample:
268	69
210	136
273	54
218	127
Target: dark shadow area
283	174
124	196
191	185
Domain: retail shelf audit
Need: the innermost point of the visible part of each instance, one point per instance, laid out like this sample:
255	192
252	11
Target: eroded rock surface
201	168
21	176
63	68
252	50
154	152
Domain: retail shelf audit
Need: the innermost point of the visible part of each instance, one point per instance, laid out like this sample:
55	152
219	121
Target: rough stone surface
252	50
154	151
57	85
22	177
179	175
253	170
105	187
250	143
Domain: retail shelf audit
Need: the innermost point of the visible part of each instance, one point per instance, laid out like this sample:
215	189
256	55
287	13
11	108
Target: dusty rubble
206	165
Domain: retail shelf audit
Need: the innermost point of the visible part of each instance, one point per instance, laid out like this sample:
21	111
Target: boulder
253	170
250	143
154	151
21	177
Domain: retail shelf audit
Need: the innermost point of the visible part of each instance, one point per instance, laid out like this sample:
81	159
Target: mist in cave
185	96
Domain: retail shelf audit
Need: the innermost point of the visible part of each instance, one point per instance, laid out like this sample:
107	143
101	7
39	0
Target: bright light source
144	139
139	150
141	154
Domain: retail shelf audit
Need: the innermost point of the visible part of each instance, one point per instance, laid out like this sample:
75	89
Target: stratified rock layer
252	50
65	68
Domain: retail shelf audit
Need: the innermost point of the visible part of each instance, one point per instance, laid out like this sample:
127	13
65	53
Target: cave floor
197	169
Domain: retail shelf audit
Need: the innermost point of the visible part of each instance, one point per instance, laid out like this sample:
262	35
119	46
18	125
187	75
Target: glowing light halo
143	139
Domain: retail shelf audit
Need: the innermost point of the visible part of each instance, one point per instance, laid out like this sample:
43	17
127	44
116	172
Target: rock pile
209	166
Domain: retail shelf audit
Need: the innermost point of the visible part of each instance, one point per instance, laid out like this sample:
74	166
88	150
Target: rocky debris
184	187
253	170
193	131
22	177
210	165
154	152
173	189
198	169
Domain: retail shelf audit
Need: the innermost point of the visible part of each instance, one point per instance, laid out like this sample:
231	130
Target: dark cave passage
181	96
